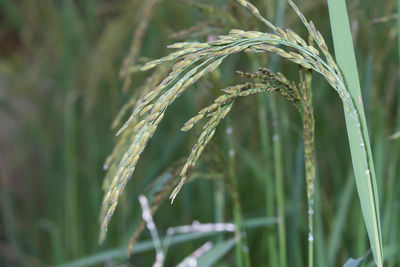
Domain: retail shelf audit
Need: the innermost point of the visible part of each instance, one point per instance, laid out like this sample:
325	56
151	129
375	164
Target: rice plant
263	172
194	60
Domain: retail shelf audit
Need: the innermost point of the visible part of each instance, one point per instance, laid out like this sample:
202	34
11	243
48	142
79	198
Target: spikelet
199	147
256	13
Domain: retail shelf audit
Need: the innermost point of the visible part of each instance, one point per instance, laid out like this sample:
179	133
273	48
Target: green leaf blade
363	168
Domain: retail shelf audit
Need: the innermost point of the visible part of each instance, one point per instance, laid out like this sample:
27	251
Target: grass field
289	152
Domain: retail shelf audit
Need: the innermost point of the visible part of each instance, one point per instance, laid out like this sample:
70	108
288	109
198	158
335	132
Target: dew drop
310	237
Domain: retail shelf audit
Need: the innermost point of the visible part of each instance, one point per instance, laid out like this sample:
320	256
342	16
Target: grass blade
355	262
216	253
363	169
147	245
339	223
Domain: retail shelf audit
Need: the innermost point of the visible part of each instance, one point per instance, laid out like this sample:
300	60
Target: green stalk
340	220
242	251
398	28
320	256
267	175
391	216
361	153
280	195
269	181
389	208
277	151
219	201
295	245
72	226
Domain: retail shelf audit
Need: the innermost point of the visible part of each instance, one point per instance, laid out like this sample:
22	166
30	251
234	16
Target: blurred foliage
60	90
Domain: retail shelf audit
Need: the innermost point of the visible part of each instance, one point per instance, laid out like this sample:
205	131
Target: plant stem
398	28
269	181
242	251
391	216
219	204
277	154
72	219
280	196
309	157
267	175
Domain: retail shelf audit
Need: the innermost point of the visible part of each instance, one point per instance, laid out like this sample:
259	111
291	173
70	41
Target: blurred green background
60	91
